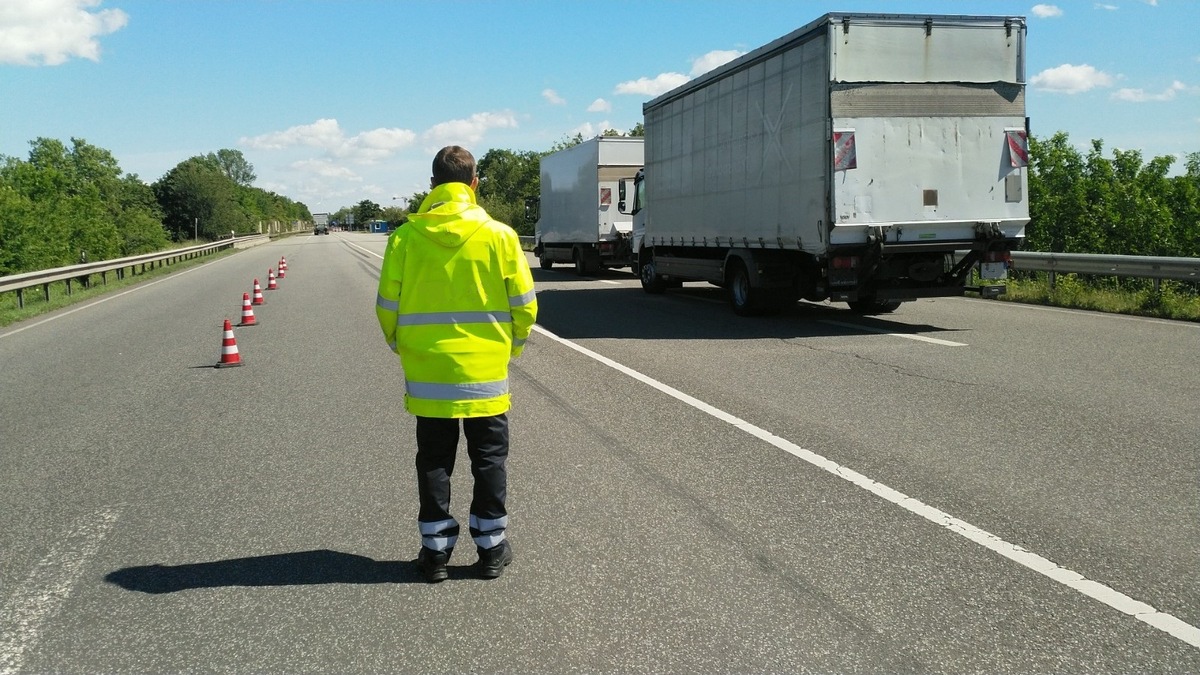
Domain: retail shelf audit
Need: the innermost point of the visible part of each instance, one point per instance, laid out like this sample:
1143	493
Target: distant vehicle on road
320	223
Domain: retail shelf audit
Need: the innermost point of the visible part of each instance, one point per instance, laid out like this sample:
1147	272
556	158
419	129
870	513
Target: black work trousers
487	447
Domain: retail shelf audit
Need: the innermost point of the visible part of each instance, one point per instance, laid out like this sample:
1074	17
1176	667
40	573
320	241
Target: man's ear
474	182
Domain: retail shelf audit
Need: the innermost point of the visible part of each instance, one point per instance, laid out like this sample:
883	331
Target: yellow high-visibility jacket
456	302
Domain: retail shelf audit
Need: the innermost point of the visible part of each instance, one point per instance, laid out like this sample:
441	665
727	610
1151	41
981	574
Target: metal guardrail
82	272
1145	267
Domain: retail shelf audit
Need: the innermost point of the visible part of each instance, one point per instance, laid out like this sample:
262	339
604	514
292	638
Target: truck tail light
998	256
845	262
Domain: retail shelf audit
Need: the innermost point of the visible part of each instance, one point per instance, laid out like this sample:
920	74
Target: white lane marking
107	298
45	590
609	281
906	336
1141	611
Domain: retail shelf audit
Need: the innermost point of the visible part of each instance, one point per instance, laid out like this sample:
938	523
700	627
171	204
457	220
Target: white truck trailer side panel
745	156
579	188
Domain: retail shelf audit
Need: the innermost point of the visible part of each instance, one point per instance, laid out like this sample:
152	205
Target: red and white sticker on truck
844	155
1018	147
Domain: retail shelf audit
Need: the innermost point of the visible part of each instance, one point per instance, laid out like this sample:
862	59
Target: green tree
199	201
1057	202
234	165
506	178
366	211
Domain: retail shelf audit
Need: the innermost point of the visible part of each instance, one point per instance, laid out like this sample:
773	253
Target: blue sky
334	102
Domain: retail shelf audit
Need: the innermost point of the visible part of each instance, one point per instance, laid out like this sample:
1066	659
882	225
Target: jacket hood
449	215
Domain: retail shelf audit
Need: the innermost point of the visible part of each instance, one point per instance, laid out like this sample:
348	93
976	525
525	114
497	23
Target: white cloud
589	130
652	87
552	97
1140	95
326	134
49	32
470	130
1069	79
325	169
600	105
1103	5
1046	11
713	59
665	82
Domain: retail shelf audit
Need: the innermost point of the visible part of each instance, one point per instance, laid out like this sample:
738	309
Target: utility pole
196	230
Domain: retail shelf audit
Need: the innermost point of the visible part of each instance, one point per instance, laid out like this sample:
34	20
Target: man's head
453	164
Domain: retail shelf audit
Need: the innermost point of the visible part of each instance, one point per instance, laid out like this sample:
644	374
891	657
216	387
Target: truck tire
651	282
873	306
545	262
580	266
743	297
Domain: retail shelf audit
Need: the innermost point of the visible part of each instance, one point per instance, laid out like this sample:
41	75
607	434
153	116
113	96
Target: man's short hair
453	164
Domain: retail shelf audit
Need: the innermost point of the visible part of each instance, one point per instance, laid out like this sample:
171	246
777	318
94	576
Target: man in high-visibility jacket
456	302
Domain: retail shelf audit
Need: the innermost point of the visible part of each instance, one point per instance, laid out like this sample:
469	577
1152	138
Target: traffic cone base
247	312
229	350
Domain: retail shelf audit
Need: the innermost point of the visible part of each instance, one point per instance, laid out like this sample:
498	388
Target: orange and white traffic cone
282	263
258	296
229	350
271	285
282	271
247	312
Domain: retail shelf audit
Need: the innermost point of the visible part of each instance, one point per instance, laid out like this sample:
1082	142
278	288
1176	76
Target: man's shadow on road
283	569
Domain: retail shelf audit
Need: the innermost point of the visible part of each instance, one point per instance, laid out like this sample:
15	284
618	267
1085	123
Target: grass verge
1173	300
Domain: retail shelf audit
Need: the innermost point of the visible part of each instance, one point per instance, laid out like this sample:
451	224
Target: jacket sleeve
522	299
387	301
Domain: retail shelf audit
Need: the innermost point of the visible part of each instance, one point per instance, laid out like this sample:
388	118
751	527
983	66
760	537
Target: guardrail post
46	291
20	298
1053	279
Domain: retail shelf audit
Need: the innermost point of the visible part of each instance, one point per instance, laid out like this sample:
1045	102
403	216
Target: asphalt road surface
961	486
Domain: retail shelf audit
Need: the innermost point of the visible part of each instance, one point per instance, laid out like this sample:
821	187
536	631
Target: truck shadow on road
700	312
303	568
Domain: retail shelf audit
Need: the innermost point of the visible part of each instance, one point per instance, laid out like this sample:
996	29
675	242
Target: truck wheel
873	306
545	262
742	296
651	282
580	265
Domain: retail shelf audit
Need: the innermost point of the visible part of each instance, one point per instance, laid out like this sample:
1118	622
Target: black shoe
492	561
433	564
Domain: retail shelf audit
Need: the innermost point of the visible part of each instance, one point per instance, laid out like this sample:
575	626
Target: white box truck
848	160
578	221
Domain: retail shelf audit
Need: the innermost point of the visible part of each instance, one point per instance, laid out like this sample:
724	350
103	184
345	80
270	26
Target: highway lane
650	536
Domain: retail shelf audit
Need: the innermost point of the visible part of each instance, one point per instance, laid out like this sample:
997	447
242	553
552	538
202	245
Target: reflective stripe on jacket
456	302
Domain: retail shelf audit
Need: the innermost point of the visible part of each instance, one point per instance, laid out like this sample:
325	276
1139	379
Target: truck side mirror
532	207
621	197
